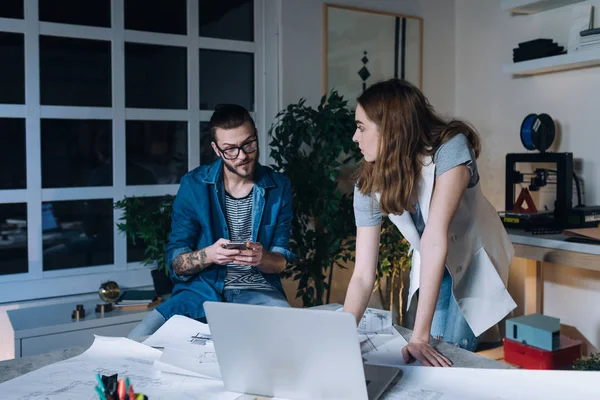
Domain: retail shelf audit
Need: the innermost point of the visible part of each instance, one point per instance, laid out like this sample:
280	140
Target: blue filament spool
537	132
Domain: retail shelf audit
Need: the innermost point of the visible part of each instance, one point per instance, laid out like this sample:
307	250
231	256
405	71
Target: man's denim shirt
198	221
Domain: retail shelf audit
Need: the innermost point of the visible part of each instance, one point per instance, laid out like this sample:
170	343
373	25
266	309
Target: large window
103	99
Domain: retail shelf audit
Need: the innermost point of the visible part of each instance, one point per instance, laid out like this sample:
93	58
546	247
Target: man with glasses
231	226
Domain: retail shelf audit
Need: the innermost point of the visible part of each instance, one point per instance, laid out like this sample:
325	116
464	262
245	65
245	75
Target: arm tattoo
177	264
190	263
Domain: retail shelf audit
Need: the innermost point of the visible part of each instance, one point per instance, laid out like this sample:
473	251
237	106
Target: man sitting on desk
237	198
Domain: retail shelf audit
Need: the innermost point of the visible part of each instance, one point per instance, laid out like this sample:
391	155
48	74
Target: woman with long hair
420	171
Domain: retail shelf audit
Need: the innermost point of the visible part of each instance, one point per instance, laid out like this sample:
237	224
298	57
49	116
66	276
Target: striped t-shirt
238	213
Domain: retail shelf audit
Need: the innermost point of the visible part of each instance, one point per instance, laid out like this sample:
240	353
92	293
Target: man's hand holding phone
218	253
223	252
252	255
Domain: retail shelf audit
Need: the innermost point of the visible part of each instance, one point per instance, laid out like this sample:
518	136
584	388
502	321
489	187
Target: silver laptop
293	353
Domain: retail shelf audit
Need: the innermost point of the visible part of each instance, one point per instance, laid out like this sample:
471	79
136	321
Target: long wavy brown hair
409	129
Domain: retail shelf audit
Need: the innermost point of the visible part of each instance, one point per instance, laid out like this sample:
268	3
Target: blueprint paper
371	341
75	378
388	353
375	320
178	332
200	361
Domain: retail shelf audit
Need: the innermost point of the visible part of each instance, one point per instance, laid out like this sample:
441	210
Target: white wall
302	47
496	104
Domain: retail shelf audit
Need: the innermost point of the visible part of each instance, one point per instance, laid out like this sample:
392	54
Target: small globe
109	292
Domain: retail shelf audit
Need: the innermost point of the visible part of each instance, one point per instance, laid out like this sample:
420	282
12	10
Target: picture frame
362	46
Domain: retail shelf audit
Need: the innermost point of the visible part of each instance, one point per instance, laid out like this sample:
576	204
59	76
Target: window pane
226	77
77	12
13	239
75	72
148	206
76	153
11	9
227	19
157	152
155	76
77	233
207	154
12	68
156	16
12	154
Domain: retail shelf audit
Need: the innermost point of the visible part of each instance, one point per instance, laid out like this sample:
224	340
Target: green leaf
147	221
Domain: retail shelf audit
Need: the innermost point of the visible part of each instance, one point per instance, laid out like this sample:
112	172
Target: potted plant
147	222
311	146
393	271
591	363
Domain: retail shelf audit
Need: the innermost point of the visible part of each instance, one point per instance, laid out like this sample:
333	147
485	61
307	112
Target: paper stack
188	348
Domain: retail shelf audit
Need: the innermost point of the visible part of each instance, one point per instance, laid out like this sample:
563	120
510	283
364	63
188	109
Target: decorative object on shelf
537	48
102	308
582	19
78	312
147	221
109	292
589	39
391	44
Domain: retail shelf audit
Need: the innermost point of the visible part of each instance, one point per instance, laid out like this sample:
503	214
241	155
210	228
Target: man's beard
233	170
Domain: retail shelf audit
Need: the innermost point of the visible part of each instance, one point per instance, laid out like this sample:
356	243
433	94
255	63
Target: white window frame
37	283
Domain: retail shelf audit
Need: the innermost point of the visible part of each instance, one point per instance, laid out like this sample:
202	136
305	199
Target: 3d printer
554	169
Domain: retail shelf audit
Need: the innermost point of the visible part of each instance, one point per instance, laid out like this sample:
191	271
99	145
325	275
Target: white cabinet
39	330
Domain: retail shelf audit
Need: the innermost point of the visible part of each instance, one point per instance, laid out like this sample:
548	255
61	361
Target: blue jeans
448	323
155	320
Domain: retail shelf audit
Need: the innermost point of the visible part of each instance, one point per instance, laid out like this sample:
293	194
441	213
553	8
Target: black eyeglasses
233	152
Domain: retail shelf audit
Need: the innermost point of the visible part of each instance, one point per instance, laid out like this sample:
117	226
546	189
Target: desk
13	368
537	249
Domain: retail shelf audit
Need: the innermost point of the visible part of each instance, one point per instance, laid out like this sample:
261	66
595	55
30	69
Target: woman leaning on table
421	172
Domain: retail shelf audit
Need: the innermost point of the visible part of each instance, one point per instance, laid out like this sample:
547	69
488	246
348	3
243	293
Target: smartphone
236	246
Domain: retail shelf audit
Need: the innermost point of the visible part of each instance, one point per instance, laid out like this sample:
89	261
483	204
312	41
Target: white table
551	249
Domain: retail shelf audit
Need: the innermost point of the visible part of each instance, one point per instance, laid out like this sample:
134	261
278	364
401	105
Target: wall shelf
577	59
534	6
